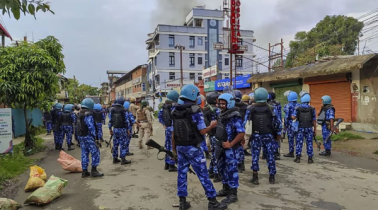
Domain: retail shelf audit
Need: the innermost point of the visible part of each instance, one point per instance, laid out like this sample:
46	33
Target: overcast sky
106	35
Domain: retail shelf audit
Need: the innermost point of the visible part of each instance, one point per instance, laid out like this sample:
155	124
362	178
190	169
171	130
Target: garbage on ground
69	163
9	204
46	194
37	178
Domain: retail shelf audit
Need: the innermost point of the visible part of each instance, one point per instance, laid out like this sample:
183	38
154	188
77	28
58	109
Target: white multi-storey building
203	28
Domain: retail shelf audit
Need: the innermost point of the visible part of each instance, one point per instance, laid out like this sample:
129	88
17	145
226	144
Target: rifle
154	144
340	120
318	144
109	143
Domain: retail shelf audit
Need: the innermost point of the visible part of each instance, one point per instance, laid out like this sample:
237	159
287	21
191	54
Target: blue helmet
238	95
261	95
251	95
189	92
180	102
126	105
173	96
120	100
199	100
293	96
229	99
97	107
306	98
58	106
326	100
87	103
68	107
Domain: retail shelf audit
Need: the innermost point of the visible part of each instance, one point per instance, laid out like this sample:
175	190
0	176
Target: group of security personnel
233	124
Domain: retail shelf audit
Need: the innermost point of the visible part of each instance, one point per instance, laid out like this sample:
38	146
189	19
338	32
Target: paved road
338	182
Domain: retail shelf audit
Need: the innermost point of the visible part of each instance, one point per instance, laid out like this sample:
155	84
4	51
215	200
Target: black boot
272	180
70	147
116	160
215	205
183	204
172	168
240	168
277	156
290	154
56	147
327	152
310	160
243	166
95	173
255	178
130	154
297	159
217	178
208	155
85	173
125	162
232	197
224	191
247	153
60	148
263	156
166	166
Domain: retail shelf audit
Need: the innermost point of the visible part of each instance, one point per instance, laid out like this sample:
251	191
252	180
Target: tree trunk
28	140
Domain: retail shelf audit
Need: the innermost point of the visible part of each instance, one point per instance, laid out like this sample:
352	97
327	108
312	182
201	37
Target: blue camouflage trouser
325	133
168	144
290	136
191	155
213	162
119	140
240	154
204	146
67	131
48	126
99	130
267	142
103	118
58	137
128	139
307	133
228	167
87	144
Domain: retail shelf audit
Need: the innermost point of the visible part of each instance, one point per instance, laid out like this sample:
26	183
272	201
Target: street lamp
181	70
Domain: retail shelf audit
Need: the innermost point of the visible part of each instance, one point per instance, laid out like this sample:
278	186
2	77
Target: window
155	61
199	76
240	42
192	76
239	61
191	41
171	40
200	41
226	61
199	60
171	59
191	58
172	76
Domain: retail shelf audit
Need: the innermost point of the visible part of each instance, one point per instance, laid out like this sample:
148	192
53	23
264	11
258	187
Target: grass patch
40	130
342	136
156	114
376	152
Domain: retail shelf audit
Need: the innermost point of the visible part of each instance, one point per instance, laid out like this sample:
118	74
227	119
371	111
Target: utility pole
274	56
282	63
181	68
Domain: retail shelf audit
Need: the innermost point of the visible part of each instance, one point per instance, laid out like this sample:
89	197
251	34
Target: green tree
16	7
28	77
334	35
77	92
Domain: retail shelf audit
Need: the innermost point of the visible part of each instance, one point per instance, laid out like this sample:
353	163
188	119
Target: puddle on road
327	205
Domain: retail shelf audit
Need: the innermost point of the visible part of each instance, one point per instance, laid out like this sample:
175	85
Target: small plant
376	152
342	136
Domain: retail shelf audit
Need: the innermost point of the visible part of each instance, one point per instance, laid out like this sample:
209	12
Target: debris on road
37	178
69	163
46	194
9	204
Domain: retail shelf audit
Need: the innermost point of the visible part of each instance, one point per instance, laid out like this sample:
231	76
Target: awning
5	32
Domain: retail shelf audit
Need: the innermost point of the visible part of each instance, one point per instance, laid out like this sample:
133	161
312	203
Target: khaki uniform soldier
144	120
133	110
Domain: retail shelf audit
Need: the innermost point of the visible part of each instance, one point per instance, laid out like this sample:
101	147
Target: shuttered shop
340	94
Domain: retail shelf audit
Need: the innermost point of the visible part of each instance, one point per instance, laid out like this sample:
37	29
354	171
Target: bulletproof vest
209	113
118	117
82	128
65	118
47	116
305	117
133	109
262	118
97	116
242	108
185	131
167	118
141	115
322	114
55	116
221	133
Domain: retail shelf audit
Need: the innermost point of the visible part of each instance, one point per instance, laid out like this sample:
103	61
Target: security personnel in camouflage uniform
277	106
245	143
203	143
131	120
87	138
306	116
57	131
98	116
326	119
242	110
67	120
133	110
289	109
47	120
229	134
188	131
76	112
265	125
144	121
165	118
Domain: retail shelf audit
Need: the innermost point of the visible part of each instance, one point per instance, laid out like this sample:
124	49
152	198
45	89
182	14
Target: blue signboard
241	82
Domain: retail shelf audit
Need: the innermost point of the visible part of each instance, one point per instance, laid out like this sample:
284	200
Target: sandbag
36	171
69	163
37	178
9	204
46	194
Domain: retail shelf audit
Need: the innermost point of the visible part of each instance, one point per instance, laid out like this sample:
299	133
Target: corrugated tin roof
332	65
